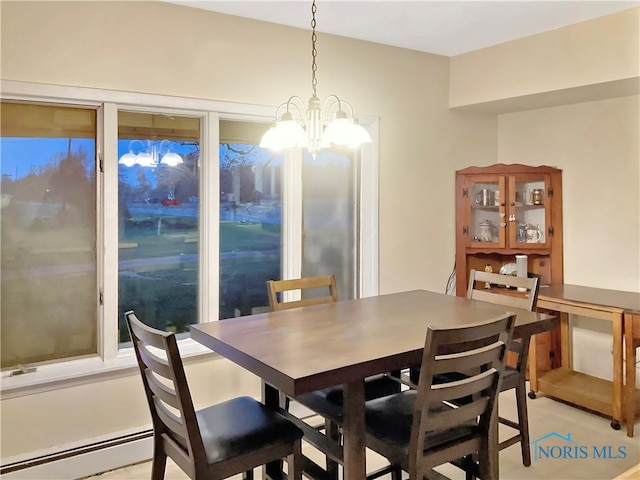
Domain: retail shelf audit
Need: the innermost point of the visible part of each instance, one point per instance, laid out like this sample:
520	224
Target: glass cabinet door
487	212
529	211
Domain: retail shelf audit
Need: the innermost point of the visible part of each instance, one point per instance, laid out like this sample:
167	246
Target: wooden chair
327	402
215	442
325	284
515	375
417	430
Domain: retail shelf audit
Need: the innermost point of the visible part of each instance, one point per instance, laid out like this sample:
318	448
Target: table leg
271	398
617	321
354	431
566	347
533	366
630	381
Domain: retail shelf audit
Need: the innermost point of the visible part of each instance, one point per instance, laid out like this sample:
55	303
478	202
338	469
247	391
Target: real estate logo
554	446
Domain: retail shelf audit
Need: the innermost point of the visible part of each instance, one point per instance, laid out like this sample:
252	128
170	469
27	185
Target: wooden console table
622	309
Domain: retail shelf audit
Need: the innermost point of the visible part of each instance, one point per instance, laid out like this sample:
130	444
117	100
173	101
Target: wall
599	58
162	48
597	145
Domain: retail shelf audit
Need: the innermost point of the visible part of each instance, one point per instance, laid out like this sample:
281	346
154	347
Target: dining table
311	348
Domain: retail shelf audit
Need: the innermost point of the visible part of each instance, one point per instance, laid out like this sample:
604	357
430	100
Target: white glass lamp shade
344	131
269	139
129	159
360	133
285	134
171	159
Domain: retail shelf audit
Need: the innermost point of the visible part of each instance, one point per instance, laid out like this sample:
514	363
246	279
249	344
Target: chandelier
321	125
151	155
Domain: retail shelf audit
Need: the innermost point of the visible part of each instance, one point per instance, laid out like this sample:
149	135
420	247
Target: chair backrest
500	296
480	348
165	384
509	298
325	284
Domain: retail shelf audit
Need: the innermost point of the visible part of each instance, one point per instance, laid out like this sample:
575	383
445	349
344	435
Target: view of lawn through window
158	220
50	283
158	229
250	227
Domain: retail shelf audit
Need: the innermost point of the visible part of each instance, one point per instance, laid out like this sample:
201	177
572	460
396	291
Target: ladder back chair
215	442
417	430
327	402
325	284
515	374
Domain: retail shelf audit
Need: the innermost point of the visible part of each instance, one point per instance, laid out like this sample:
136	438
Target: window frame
110	360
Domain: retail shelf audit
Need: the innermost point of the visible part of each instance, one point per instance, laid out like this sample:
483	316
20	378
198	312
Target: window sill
82	371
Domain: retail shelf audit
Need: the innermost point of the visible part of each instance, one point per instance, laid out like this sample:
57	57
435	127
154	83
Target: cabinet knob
503	224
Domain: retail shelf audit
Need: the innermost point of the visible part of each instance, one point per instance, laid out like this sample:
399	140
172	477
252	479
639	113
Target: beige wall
596	146
571	62
125	46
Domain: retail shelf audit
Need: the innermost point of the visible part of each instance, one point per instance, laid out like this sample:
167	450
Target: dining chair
327	402
215	442
313	291
418	430
503	290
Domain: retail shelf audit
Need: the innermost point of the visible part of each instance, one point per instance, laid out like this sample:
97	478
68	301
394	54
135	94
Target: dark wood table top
306	349
589	296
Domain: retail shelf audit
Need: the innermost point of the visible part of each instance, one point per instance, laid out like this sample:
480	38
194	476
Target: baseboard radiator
84	461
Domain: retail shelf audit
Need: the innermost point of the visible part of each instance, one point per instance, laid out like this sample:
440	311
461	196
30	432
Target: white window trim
110	360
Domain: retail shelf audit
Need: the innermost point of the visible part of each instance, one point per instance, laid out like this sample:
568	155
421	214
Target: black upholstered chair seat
329	401
390	420
241	425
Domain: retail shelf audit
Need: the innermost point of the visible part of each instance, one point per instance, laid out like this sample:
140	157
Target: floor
590	435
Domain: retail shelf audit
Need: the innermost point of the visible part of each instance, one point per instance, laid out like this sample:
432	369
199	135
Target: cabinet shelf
491	208
491	248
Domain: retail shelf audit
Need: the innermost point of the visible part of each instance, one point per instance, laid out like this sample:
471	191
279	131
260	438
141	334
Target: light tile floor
545	416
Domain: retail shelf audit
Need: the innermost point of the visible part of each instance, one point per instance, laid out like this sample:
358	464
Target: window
158	220
48	242
330	213
95	223
250	219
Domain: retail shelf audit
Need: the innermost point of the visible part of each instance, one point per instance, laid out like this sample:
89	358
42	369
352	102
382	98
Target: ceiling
441	27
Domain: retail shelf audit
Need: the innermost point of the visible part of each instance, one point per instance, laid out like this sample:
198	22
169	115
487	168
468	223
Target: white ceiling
442	27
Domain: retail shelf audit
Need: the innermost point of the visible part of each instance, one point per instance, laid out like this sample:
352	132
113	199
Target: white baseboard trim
87	464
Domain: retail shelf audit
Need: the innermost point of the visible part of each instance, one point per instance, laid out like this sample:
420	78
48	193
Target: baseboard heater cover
84	461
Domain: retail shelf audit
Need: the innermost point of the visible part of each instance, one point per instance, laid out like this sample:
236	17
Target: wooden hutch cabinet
505	210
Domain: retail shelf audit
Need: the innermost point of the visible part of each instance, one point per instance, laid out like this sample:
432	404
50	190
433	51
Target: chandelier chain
314	52
319	125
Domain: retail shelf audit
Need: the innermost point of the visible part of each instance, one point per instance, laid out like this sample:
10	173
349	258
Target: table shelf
578	388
